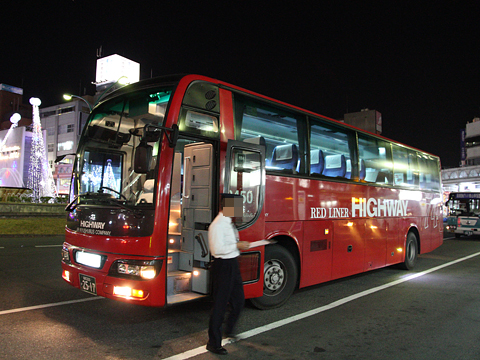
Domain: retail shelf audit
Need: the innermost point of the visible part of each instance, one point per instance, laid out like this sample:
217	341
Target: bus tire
411	252
457	236
280	277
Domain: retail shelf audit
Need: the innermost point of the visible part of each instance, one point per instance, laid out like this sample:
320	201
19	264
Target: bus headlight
136	269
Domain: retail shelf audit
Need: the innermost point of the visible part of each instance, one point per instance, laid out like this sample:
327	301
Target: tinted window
330	151
375	155
281	131
405	167
429	172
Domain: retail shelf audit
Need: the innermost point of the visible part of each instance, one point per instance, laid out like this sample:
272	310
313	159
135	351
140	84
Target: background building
467	176
370	120
11	101
63	125
472	142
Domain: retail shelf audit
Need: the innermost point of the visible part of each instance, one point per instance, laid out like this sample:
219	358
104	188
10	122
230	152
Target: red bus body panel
360	243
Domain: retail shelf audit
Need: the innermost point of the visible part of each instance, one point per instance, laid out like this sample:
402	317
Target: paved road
381	314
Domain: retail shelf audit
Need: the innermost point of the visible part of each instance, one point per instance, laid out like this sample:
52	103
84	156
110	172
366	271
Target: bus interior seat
147	193
317	162
286	157
383	177
258	140
335	165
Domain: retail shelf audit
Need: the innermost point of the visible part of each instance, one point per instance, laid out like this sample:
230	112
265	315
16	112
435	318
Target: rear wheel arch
291	245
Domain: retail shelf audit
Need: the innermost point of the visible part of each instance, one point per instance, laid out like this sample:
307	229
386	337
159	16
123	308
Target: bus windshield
104	167
464	204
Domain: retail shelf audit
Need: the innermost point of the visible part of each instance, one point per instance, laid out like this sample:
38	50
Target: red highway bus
155	156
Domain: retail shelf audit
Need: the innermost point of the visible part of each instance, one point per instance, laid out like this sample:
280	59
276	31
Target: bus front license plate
88	284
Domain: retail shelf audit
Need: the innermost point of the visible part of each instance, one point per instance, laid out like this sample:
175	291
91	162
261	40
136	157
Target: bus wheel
457	236
411	252
280	277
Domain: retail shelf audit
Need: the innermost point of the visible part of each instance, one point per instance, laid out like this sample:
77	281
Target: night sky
416	64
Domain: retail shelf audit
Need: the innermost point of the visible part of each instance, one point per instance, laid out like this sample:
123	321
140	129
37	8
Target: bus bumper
97	282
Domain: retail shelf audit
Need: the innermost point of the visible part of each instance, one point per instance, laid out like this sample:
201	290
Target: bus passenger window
428	168
283	132
405	167
376	162
329	150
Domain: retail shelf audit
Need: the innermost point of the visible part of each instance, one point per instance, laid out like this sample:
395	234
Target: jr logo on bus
362	207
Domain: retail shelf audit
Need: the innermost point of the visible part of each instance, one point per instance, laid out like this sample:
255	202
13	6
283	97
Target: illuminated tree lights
110	177
40	178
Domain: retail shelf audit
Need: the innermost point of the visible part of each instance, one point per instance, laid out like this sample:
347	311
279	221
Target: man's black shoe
219	351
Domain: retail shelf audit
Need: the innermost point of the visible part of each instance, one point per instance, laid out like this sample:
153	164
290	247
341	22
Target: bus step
178	298
179	287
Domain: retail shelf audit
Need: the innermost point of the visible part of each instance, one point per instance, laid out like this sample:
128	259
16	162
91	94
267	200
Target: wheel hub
274	275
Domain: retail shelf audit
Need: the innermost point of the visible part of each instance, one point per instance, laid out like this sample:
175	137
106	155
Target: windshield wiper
72	205
138	213
106	199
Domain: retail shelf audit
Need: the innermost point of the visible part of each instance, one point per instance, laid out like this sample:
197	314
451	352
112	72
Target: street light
69	97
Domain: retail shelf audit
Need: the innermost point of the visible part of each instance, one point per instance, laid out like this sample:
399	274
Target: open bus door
245	176
192	202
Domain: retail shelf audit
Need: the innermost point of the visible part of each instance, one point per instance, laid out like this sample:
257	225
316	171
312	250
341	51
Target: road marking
30	246
36	307
200	350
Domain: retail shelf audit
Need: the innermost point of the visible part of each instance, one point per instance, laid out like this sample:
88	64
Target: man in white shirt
225	247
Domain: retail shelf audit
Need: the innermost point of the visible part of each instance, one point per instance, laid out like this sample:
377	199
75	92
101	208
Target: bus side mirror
143	158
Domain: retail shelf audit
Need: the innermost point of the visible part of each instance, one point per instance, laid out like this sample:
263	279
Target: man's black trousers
227	289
